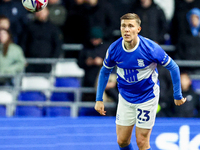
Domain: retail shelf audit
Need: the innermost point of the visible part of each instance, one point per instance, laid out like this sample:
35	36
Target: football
34	5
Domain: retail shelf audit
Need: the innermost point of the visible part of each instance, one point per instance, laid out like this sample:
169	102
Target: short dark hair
4	17
130	16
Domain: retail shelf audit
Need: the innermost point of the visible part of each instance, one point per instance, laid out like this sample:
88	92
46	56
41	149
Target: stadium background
86	133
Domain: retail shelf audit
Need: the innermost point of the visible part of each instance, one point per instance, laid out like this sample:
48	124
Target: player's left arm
161	57
175	75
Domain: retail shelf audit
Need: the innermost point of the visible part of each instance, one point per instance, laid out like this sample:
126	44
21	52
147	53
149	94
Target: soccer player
136	58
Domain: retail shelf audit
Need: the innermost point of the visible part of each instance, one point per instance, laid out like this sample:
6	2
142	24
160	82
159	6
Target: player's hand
179	102
99	107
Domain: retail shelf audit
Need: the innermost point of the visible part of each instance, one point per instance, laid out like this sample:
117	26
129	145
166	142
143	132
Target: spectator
188	45
76	27
88	13
4	22
17	16
101	28
57	13
120	7
179	23
154	24
193	18
41	39
91	60
192	105
168	8
12	60
101	15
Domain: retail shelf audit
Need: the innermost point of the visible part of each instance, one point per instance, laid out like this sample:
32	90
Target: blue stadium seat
84	111
2	111
65	82
62	96
31	96
28	111
67	74
196	85
59	96
57	111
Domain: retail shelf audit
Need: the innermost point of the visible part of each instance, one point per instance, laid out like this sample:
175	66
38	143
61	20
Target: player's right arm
104	74
102	82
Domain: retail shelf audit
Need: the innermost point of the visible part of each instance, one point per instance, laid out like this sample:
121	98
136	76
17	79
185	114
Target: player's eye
123	25
130	25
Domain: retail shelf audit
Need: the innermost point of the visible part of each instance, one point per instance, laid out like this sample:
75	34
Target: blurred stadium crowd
95	24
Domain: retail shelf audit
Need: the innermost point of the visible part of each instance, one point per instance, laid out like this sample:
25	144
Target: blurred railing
16	89
77	103
78	47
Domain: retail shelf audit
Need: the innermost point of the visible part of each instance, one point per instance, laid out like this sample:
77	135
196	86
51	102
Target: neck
130	45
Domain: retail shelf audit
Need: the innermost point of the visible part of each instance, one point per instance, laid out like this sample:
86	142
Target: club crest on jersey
140	62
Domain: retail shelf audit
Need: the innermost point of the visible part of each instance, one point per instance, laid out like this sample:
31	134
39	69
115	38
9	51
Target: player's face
129	30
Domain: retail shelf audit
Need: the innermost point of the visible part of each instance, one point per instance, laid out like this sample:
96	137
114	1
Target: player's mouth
126	35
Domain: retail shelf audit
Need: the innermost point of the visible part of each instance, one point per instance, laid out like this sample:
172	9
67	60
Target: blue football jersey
137	74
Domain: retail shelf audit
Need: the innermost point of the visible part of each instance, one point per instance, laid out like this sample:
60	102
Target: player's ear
139	29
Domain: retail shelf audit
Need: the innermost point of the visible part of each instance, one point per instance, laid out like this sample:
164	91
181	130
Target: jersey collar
133	49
